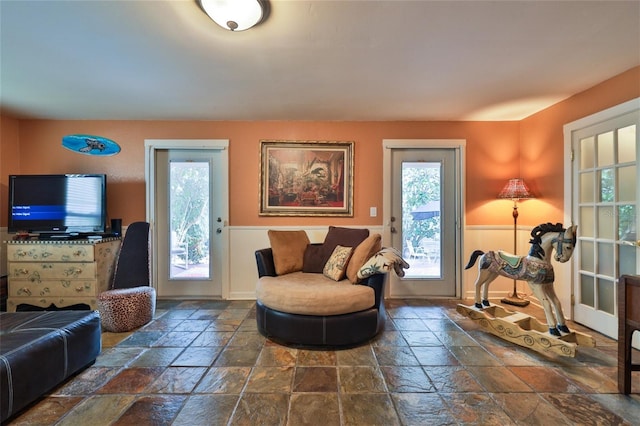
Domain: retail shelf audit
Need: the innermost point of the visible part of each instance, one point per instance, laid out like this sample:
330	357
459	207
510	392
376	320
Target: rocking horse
535	268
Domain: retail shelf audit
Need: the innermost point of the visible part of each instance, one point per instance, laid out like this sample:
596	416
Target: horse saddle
512	259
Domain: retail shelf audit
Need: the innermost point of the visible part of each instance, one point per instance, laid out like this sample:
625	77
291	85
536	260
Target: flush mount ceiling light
235	15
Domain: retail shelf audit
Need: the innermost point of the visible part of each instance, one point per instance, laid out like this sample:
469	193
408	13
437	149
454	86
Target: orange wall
488	143
542	140
9	159
496	151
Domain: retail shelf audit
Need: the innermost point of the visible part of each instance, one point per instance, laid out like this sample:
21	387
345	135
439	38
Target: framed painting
306	178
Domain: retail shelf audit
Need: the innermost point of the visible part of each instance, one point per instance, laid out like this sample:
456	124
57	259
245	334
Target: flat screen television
69	203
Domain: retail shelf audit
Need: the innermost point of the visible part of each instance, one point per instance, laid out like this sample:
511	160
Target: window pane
627	230
189	220
421	227
606	222
586	256
606	300
627	256
586	221
626	144
605	259
586	153
627	183
586	187
605	149
606	185
586	291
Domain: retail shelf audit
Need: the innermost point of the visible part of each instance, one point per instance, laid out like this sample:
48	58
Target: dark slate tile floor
204	363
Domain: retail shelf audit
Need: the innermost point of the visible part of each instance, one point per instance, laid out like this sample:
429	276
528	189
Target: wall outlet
373	211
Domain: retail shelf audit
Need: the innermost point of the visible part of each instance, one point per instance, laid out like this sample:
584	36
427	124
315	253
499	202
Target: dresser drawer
67	252
52	288
38	271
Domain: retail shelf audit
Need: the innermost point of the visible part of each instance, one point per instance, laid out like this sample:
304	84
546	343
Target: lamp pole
514	299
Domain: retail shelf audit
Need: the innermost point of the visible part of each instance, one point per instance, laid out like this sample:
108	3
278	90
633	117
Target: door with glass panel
424	220
188	204
605	197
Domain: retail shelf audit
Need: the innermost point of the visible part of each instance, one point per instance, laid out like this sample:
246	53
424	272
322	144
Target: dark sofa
39	350
313	330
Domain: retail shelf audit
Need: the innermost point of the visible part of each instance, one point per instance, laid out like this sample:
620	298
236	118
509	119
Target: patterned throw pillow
387	259
336	266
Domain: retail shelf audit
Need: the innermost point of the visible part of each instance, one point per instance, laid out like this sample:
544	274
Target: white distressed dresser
59	273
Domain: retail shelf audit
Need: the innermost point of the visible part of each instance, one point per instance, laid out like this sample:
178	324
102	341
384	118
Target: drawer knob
74	272
25	291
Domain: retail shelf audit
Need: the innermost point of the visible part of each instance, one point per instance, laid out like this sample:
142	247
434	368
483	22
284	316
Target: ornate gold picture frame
306	178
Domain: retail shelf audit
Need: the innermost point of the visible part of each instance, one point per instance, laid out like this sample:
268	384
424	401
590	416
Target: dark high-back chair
132	266
131	301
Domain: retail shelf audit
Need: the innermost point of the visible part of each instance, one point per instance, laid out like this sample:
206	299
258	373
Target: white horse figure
535	268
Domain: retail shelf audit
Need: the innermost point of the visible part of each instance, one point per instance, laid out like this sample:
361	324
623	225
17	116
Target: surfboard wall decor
90	145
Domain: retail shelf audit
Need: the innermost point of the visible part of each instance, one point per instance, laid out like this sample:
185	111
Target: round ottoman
126	308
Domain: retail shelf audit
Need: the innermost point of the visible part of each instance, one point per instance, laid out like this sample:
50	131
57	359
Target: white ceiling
310	60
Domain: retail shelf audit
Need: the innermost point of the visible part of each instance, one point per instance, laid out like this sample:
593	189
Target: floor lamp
516	190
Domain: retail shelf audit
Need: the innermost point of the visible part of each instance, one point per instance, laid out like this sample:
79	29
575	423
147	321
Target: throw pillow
370	246
336	266
346	237
288	250
387	259
313	257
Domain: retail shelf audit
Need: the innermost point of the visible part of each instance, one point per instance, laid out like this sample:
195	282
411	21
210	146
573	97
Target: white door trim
150	146
565	293
459	145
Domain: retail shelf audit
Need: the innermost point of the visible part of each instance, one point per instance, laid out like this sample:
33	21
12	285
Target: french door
189	211
606	194
423	219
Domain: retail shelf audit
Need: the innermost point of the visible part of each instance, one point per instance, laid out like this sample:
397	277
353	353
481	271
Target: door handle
219	231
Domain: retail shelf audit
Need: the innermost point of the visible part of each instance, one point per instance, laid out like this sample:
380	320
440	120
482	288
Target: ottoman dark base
39	350
310	330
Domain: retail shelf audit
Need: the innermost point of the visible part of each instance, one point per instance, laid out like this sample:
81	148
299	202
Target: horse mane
542	229
537	233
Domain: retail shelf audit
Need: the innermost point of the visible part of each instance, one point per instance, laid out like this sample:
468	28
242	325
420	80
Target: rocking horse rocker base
525	330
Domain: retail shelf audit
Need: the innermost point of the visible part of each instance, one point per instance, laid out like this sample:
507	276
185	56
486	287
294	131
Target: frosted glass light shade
234	15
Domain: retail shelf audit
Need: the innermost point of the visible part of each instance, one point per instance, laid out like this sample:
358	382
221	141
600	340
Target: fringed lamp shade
515	189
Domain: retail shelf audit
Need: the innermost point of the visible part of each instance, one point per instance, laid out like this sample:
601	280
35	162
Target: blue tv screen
57	203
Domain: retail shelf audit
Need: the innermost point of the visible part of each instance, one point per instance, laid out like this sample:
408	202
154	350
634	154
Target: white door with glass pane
190	206
424	217
605	205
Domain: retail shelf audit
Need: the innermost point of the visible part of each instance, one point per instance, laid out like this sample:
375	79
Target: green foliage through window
189	207
420	185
